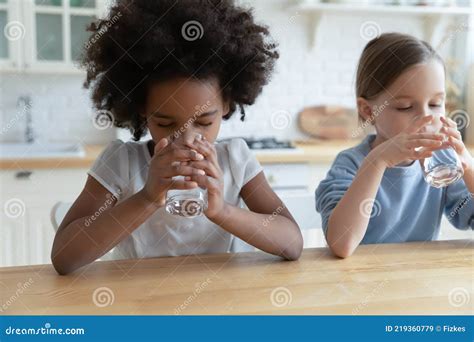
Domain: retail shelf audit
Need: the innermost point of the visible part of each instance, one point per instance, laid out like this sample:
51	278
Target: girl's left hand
454	139
213	179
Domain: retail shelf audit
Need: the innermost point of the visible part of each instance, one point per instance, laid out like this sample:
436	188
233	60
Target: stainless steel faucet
24	104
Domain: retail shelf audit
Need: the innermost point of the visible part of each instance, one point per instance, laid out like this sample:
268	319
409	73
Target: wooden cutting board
330	122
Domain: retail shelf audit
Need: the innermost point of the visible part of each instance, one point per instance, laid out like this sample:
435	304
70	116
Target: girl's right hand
409	145
169	161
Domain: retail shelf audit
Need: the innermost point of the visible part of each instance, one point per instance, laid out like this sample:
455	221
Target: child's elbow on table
342	247
343	250
294	253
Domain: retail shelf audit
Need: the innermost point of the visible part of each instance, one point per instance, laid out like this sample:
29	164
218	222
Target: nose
189	136
425	111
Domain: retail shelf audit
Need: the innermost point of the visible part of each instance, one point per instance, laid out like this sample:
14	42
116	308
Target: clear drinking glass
186	203
442	169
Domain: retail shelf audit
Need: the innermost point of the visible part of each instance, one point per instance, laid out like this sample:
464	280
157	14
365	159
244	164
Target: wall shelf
306	6
432	15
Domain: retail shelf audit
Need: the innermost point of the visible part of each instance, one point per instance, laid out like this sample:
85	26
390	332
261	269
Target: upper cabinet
12	32
45	35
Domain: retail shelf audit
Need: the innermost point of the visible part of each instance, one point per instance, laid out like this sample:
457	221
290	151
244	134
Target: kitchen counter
317	152
411	278
91	153
314	153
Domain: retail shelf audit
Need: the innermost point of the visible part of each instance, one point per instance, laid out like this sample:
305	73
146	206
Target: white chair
57	214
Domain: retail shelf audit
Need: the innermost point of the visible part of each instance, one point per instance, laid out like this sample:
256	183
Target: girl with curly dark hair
175	68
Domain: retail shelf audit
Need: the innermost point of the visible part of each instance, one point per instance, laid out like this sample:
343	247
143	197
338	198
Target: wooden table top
411	278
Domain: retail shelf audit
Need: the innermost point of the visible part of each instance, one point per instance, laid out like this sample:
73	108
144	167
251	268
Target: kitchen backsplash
61	109
311	71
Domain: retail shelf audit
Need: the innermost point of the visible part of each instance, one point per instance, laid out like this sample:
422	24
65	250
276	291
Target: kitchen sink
40	150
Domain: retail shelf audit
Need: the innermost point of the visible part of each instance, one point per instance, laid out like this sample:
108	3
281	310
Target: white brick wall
306	74
61	109
310	74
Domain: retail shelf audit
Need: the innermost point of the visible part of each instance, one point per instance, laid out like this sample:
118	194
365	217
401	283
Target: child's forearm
79	244
273	234
348	221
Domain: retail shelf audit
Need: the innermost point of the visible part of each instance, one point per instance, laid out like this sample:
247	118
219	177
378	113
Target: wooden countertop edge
321	152
91	154
262	257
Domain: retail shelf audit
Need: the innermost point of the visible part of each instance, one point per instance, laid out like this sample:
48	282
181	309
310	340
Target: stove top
267	144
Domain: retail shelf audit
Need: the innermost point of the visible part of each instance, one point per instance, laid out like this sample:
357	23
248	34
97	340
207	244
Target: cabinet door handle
23	174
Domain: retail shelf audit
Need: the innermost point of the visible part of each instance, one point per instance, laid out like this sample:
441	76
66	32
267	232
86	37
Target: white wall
61	109
309	74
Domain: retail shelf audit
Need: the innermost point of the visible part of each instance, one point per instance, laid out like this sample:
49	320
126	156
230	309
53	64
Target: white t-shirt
122	168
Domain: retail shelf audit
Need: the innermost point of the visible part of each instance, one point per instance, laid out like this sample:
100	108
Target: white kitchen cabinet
288	176
11	33
49	34
295	184
26	233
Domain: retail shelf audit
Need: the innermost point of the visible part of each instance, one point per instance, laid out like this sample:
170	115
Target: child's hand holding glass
212	180
408	145
454	139
448	167
167	163
208	196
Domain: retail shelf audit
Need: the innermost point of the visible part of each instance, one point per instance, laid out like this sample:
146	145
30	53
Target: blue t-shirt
406	208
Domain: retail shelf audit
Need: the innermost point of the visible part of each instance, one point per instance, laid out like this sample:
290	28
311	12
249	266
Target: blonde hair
387	57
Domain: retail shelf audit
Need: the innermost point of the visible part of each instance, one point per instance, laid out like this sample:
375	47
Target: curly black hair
144	41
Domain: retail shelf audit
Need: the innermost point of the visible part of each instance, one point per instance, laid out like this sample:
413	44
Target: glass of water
444	167
186	203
